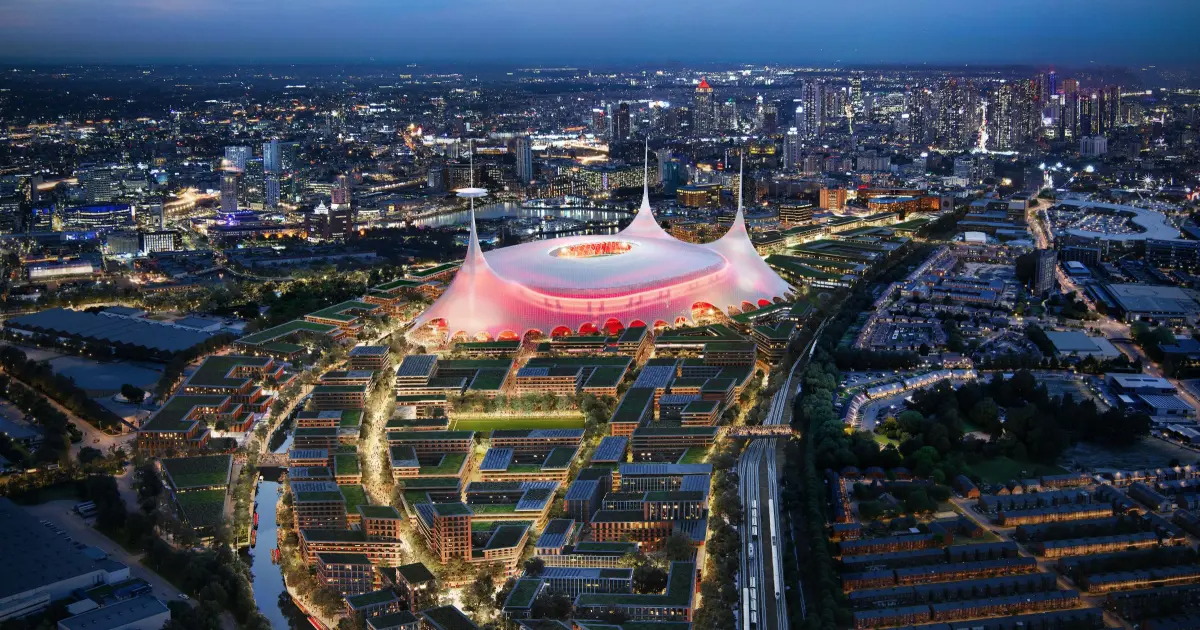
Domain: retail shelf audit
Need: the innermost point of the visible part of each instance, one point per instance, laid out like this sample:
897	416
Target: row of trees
718	590
63	389
58	432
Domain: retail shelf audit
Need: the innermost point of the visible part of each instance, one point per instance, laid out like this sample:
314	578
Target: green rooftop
372	598
451	509
523	593
339	312
448	618
346	465
429	272
451	464
215	370
202	508
173	415
340	389
284	330
198	472
678	594
633	404
416	436
354	496
378	511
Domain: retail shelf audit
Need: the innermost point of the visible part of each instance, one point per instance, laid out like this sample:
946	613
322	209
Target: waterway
515	211
269	590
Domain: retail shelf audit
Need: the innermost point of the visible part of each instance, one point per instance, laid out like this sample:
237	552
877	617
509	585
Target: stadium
640	276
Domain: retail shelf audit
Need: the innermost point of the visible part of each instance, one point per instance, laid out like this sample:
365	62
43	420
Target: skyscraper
98	186
1043	277
703	115
272	158
729	115
229	191
856	95
791	149
599	122
236	157
271	190
524	151
810	118
920	116
621	129
770	118
341	191
958	114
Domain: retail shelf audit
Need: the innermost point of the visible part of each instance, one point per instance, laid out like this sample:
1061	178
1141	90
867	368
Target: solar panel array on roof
582	490
628	470
655	376
611	449
114	330
555	534
417	365
696	483
496	459
537	493
556	433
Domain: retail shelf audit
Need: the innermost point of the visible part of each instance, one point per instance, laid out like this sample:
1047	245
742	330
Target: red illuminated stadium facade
639	276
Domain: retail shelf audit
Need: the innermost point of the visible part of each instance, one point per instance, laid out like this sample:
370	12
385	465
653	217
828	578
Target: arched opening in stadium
588	329
560	331
639	323
613	326
483	336
533	334
508	335
764	302
748	307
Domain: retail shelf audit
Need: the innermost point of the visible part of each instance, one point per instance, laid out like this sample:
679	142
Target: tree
88	454
133	393
534	566
478	596
678	548
649	579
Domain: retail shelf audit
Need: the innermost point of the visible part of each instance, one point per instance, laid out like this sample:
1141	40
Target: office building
1043	276
703	109
229	192
792	156
621	124
237	157
272	156
810	116
524	155
98	186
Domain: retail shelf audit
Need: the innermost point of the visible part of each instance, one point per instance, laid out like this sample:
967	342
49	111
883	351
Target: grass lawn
487	423
1002	469
884	440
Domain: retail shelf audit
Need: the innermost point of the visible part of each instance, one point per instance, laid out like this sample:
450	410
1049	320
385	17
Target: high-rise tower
703	115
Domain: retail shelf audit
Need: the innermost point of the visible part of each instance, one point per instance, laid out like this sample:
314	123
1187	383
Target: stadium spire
643	223
474	251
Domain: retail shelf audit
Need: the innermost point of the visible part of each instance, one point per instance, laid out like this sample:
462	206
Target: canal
269	590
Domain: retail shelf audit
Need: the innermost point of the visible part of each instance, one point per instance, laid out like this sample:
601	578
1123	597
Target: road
92	436
59	513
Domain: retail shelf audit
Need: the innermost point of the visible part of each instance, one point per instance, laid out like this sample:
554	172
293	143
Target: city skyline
539	31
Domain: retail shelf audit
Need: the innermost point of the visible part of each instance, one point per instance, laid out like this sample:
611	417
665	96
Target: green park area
487	423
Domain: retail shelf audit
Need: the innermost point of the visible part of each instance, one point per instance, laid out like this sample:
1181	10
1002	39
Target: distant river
502	210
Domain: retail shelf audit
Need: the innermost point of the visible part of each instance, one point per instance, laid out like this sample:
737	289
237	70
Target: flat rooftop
145	333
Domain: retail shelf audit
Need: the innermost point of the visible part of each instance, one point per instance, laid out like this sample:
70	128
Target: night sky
1076	32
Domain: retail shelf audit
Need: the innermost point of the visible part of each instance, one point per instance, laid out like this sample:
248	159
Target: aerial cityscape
472	321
